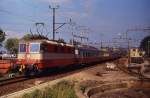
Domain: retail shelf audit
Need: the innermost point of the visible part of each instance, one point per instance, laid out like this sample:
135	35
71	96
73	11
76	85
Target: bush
37	94
26	96
47	93
63	89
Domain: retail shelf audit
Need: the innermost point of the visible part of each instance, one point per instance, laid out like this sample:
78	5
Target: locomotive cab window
35	47
22	47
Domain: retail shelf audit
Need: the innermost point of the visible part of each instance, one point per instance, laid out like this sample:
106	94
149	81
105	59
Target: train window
141	54
58	49
70	50
77	52
134	49
83	54
62	49
43	47
22	48
88	53
34	47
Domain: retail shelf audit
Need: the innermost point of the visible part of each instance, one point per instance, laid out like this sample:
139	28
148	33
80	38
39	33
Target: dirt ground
104	82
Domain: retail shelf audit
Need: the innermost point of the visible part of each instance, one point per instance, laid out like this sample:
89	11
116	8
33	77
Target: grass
63	89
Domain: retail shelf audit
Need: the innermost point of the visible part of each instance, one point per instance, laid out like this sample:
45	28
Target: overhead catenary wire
17	15
27	18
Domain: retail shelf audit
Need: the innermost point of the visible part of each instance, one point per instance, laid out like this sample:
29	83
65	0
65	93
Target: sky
102	20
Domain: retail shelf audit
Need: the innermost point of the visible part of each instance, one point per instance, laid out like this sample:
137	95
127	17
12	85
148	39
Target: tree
12	44
60	40
145	45
2	36
26	37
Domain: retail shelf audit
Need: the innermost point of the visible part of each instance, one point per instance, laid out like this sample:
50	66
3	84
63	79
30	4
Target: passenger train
38	55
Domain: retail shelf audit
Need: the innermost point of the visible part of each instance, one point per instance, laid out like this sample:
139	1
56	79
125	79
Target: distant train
39	55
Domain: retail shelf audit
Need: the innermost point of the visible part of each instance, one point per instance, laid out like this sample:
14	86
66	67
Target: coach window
60	49
70	50
78	53
22	48
84	54
35	47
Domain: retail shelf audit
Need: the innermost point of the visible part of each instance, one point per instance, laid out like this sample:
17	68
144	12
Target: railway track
20	83
133	73
12	80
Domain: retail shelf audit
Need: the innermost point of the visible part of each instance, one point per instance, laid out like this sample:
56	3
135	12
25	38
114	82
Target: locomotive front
29	56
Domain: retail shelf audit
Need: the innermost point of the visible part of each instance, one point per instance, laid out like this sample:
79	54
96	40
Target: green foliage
61	40
63	89
37	94
47	93
2	36
27	96
26	37
144	44
12	45
31	37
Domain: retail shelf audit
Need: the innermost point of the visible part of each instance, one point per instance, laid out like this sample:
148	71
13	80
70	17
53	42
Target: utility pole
72	25
83	30
148	48
55	23
81	37
54	8
128	41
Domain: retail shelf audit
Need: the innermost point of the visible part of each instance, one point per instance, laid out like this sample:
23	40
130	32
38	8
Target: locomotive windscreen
35	47
22	48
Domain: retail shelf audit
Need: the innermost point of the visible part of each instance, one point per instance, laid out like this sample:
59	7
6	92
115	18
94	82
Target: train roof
87	47
46	41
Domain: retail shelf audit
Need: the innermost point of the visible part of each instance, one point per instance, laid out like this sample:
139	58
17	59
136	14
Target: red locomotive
37	55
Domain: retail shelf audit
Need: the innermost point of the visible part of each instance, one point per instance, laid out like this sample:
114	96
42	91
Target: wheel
35	70
27	72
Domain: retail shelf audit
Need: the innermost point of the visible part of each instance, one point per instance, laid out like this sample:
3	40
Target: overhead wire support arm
62	24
